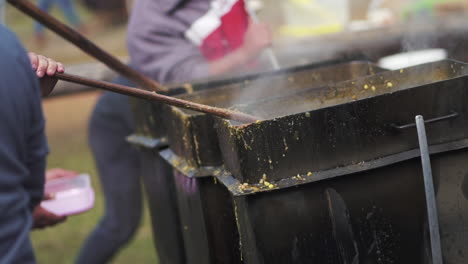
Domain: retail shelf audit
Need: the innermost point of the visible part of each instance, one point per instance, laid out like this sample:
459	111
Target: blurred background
104	22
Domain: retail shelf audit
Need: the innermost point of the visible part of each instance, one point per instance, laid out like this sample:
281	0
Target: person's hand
43	218
58	173
257	38
45	68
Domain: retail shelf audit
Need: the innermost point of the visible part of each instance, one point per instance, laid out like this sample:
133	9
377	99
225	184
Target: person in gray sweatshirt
169	41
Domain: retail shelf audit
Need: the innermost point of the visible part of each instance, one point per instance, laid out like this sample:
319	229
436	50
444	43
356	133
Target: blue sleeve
37	148
23	145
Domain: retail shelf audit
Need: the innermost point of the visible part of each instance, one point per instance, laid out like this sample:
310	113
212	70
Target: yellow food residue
298	177
263	179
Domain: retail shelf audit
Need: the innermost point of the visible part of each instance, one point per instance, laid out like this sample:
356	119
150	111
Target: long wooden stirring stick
86	45
135	92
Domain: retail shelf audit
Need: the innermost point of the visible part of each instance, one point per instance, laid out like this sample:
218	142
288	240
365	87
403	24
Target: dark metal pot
333	175
206	206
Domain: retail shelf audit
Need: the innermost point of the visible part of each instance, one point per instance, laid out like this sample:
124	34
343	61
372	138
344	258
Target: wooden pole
86	45
135	92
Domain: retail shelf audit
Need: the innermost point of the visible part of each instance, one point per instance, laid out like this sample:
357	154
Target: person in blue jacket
23	148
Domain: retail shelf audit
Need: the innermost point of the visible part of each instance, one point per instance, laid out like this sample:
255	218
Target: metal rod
273	60
432	215
269	51
86	45
135	92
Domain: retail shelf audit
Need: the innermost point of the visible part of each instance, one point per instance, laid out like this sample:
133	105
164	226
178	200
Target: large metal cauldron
206	207
192	135
334	176
150	137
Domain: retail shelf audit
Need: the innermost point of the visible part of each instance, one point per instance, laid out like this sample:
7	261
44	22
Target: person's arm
257	38
23	144
22	139
37	148
159	49
43	68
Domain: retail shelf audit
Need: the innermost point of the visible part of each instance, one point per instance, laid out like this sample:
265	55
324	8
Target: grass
67	119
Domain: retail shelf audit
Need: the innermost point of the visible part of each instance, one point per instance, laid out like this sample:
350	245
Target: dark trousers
119	171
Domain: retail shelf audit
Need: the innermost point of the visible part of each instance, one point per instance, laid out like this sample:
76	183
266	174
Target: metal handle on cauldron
453	114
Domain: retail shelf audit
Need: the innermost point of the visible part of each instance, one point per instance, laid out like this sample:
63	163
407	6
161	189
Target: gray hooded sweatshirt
157	41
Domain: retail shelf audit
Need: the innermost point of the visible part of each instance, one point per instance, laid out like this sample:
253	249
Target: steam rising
413	39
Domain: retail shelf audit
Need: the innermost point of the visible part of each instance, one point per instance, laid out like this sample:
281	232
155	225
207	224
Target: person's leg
118	167
45	6
68	9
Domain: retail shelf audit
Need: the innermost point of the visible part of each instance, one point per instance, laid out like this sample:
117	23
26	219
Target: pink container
71	195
